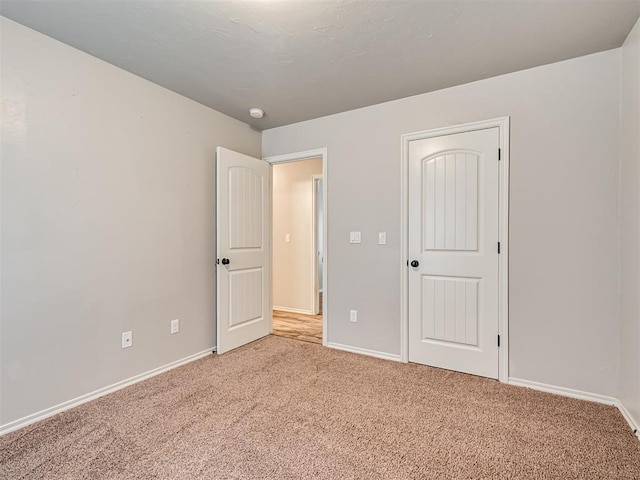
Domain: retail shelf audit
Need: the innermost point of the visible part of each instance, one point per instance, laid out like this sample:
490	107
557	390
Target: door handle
225	261
414	263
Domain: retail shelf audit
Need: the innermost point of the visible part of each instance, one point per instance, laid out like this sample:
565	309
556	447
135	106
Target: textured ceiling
304	59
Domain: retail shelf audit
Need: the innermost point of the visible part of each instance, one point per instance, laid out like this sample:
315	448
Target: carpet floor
283	409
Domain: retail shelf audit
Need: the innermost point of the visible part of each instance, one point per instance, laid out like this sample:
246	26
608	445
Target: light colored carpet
283	409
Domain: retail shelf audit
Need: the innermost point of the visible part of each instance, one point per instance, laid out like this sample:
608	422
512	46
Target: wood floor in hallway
298	326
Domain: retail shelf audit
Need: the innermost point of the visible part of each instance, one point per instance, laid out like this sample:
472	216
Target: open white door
453	251
243	239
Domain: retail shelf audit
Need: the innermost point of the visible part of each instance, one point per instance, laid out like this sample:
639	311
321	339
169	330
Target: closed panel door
243	241
453	252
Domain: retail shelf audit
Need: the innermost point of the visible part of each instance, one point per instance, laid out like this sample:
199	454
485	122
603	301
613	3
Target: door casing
502	124
293	157
314	241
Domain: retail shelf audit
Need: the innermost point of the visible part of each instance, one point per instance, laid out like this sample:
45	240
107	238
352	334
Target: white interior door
453	250
243	244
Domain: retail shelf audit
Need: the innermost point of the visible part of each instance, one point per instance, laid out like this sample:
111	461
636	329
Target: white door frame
315	287
293	157
502	124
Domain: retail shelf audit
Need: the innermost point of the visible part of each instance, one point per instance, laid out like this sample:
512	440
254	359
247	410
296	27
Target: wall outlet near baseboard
175	326
353	316
127	339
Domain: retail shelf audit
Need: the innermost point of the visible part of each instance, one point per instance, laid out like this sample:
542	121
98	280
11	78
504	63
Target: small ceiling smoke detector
256	112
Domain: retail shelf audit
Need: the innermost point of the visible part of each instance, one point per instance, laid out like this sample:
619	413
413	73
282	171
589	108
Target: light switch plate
287	237
382	238
354	237
175	326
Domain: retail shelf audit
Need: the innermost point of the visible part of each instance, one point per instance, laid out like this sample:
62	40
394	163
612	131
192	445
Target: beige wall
293	282
564	263
630	225
108	222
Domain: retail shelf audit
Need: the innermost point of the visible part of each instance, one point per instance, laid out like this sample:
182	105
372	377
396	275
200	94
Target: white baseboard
364	351
49	412
630	420
293	310
565	392
580	395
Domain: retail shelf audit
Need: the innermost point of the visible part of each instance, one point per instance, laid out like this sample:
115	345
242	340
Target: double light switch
356	237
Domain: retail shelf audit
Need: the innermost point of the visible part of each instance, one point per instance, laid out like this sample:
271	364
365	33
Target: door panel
450	201
453	234
243	238
246	197
450	310
245	296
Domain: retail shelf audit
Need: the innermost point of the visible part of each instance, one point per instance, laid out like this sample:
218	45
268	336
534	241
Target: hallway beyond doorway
298	326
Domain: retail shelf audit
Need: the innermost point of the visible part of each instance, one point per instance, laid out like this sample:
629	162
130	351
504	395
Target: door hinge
498	340
498	247
499	154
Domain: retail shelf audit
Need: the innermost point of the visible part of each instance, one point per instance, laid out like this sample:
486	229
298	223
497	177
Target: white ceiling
304	59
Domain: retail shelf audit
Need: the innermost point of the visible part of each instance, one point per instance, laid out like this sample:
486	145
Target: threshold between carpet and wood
283	409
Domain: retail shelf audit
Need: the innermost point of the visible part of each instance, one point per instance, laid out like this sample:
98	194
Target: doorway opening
298	242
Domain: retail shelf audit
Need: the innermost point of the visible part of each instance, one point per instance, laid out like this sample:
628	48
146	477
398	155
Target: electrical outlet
127	339
355	237
382	238
353	316
175	326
